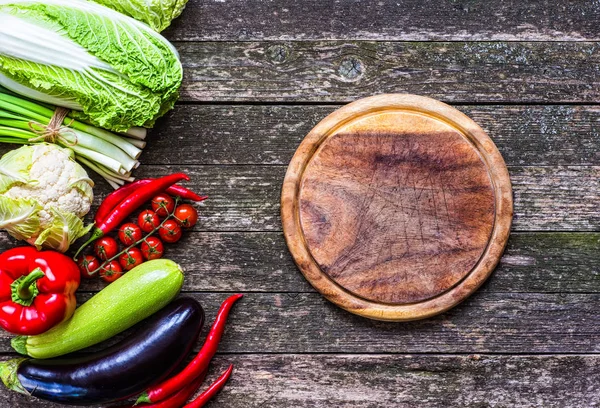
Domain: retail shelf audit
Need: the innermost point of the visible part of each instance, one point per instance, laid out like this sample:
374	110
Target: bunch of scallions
111	155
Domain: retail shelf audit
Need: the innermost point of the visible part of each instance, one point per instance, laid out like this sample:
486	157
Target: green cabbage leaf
65	229
158	14
116	71
19	217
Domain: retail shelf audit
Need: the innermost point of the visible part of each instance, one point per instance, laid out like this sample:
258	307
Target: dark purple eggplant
119	372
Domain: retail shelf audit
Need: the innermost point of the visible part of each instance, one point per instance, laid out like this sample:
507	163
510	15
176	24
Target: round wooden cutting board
397	207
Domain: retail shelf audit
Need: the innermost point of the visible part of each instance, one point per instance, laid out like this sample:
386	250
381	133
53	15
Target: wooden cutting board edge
407	312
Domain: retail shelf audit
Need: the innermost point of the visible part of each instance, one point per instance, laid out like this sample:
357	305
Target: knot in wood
351	69
278	53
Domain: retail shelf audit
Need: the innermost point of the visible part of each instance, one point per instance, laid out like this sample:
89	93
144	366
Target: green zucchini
138	294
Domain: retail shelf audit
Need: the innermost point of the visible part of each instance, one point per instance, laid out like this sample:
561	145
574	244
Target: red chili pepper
212	390
130	204
178	399
37	289
114	198
136	199
199	363
185	193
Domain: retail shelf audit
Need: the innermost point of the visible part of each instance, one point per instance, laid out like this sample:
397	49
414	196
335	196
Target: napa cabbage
116	72
158	14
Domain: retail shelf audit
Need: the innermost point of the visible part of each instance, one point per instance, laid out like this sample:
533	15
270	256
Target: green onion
112	156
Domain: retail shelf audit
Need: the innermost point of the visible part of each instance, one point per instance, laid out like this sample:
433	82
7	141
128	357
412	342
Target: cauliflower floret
56	181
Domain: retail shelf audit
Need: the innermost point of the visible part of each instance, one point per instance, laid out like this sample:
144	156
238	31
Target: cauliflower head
44	195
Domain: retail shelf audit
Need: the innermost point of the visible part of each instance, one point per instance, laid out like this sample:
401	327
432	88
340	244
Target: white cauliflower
44	196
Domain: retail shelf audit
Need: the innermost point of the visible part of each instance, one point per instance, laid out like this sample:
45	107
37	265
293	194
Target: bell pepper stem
24	290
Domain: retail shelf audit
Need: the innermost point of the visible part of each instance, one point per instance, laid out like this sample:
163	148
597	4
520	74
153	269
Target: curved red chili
115	198
178	399
130	204
137	199
185	193
212	390
199	363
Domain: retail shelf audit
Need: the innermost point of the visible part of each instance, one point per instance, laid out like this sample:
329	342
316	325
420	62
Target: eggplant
119	372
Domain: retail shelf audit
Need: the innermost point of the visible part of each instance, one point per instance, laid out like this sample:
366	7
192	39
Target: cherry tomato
105	248
148	220
152	248
111	271
129	234
88	266
186	215
131	259
170	231
163	205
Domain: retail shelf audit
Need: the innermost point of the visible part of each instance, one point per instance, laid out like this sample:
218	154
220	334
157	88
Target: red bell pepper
37	289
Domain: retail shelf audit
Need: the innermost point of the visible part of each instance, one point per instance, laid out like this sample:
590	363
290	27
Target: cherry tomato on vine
186	215
152	248
148	220
111	271
170	231
105	248
131	259
129	234
88	266
163	205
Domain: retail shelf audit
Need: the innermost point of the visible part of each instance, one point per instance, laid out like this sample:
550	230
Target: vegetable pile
79	83
41	286
120	371
129	367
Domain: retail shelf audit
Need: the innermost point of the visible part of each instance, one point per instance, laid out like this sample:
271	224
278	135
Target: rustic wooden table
261	74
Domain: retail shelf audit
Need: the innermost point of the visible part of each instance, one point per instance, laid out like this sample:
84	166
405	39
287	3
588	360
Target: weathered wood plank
544	196
260	262
398	20
399	381
342	71
485	323
242	134
247	197
266	134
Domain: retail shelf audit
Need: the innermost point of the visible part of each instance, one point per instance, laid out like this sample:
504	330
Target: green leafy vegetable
18	216
117	71
58	234
158	14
